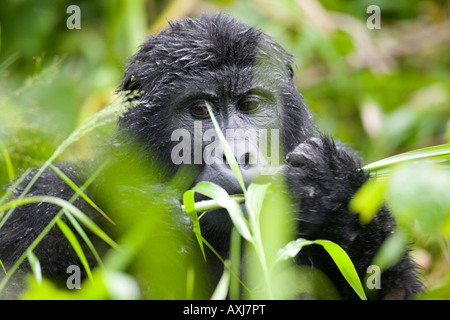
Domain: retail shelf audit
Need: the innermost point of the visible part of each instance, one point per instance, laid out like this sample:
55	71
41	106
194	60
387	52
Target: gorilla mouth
233	190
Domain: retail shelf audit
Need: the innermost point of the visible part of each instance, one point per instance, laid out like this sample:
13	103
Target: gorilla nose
248	165
245	160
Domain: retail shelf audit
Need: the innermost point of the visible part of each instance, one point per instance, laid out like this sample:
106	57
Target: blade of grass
80	192
221	290
106	115
84	236
9	192
3	267
70	208
235	257
76	246
44	232
8	163
226	149
188	200
31	247
254	201
226	265
439	153
35	266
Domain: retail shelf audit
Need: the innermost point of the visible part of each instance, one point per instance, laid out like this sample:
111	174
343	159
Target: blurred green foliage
383	91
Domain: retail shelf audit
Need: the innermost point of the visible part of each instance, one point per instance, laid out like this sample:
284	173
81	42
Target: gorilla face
241	72
246	78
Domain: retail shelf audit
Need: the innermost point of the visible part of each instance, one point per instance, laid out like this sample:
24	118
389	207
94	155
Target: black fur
218	59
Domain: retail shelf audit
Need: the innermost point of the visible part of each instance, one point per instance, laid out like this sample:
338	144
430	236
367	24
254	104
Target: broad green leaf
188	201
219	194
213	191
339	256
254	201
369	199
391	250
418	195
345	265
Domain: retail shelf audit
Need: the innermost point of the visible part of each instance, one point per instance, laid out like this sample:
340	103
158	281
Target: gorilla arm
324	176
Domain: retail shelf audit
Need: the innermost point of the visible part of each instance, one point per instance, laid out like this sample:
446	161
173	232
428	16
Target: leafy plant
73	213
250	229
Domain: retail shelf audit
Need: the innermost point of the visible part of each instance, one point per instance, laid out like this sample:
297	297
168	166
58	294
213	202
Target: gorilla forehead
207	42
217	47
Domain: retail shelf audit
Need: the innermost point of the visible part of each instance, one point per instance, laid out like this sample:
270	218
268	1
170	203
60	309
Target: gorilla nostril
224	158
245	160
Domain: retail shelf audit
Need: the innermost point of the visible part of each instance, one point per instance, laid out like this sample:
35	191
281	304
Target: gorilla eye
199	111
248	106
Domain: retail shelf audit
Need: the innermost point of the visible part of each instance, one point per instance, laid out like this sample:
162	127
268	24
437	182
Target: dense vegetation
384	91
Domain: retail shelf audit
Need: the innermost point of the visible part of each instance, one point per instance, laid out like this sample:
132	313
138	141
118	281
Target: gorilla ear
130	81
291	71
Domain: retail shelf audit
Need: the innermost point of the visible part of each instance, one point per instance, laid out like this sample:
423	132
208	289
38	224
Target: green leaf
339	256
345	265
209	205
235	267
12	204
70	208
8	163
120	286
79	191
219	194
226	149
291	249
221	291
84	236
439	153
75	245
392	250
236	276
369	199
3	267
254	201
35	266
188	201
418	196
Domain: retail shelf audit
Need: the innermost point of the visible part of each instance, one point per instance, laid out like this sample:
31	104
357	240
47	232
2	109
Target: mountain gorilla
247	79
